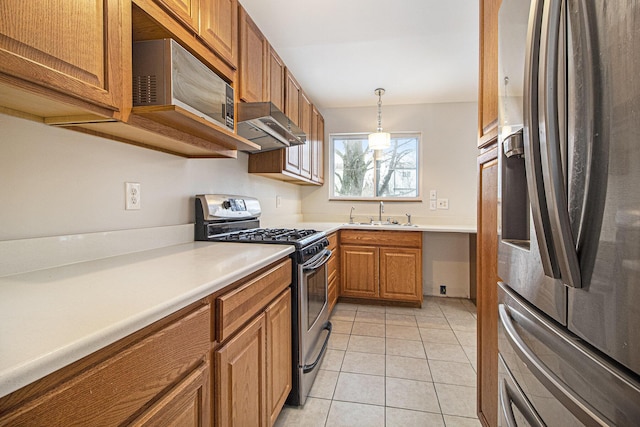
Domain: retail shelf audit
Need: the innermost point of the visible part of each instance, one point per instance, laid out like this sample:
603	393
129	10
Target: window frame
419	167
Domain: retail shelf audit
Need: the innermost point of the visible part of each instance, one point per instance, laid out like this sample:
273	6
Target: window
360	173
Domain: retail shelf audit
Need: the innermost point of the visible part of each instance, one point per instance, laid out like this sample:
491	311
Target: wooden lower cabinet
159	377
241	380
487	279
381	265
279	372
333	271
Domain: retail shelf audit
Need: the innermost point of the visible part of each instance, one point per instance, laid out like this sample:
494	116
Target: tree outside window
361	173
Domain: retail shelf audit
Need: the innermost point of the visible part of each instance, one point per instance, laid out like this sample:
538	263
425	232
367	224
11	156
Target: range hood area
264	124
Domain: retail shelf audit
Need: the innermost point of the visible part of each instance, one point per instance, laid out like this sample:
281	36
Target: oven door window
316	282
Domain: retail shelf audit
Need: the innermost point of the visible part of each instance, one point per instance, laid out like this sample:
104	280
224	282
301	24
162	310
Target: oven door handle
308	368
317	261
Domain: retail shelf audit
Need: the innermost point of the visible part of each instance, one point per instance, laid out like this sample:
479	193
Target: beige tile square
457	400
366	344
344	315
441	336
408	368
396	347
467	338
345	306
312	414
432	322
368	329
332	360
338	341
324	384
397	417
472	355
429	310
453	421
449	352
341	327
409	394
403	332
360	388
408	311
401	319
463	324
364	363
370	317
372	308
347	414
452	373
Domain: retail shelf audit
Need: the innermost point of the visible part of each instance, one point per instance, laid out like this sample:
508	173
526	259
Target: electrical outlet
278	201
443	203
432	205
443	289
433	195
132	196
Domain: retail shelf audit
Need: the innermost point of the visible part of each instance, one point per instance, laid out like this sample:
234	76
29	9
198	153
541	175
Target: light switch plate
433	195
432	205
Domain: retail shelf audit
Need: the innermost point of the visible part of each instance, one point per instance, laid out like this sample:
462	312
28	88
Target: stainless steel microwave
165	73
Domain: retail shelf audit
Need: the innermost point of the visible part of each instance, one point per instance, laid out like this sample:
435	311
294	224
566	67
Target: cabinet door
279	371
185	11
487	278
74	47
219	27
184	405
488	85
276	79
360	272
292	98
241	378
317	150
254	51
305	125
401	274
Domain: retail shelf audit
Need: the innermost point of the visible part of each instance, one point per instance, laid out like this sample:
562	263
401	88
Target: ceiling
340	51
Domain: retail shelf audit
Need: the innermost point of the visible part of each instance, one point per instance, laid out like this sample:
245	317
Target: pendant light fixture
379	140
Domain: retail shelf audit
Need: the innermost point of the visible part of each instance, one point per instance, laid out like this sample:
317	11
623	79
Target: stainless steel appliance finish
264	124
232	218
165	73
569	226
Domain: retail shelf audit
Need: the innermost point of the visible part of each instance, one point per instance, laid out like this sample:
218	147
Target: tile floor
392	366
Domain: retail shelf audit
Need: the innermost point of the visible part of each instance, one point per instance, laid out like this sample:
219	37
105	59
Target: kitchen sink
381	224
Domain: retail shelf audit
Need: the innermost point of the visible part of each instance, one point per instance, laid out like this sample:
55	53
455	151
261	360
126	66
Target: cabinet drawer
333	241
333	292
405	239
235	308
332	265
114	390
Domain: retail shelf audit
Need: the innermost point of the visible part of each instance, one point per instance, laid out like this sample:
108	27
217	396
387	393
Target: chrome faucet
380	211
351	214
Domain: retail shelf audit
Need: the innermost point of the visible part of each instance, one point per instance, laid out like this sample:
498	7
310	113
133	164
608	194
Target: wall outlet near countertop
433	205
278	201
132	196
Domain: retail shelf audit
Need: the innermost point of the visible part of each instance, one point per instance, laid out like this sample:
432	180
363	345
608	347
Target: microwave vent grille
145	90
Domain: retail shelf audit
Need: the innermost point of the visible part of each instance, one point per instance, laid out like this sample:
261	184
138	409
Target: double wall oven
229	218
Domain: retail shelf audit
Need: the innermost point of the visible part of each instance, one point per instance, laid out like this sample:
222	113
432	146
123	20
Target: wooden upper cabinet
488	84
317	146
219	27
305	125
253	67
276	72
73	47
185	11
292	98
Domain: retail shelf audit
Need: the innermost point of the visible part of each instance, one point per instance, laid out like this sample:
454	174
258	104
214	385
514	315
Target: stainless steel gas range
230	218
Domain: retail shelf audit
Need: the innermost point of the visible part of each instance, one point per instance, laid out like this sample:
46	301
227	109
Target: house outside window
358	173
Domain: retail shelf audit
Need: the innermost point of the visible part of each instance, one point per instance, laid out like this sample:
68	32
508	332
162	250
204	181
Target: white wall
58	182
448	162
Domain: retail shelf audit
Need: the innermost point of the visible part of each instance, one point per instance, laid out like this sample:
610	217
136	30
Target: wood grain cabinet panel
219	28
73	47
185	11
305	124
360	271
241	379
277	72
488	84
401	274
253	67
279	372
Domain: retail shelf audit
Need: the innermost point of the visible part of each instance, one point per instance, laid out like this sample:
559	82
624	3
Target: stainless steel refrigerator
569	214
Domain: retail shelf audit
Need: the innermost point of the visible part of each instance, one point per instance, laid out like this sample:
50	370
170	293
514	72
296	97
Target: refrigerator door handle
550	149
531	132
510	393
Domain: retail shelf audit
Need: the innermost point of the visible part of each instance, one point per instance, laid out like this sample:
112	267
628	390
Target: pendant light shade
379	140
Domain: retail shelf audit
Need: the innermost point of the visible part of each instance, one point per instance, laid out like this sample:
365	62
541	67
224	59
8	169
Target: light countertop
53	317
